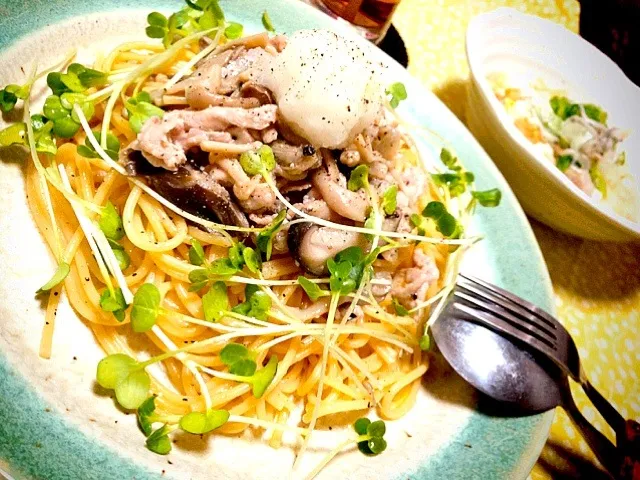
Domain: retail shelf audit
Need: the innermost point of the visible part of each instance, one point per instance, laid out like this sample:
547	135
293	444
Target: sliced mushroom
200	96
294	161
253	90
312	245
199	194
332	186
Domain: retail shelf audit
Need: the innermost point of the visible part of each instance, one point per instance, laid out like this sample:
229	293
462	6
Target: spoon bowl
496	366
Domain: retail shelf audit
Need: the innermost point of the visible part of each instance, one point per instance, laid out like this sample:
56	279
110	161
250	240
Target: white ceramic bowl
530	48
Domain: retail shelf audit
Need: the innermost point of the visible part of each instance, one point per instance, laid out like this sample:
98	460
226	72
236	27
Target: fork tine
497	324
507	316
526	310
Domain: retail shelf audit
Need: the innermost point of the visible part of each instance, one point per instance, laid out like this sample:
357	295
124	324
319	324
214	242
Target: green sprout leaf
133	390
126	376
359	178
252	260
398	92
312	289
113	146
243	368
158	442
198	278
222	267
233	352
445	222
400	310
212	16
111	223
58	277
146	306
449	160
140	110
157	25
54	81
53	108
266	22
370	440
563	162
346	269
144	415
257	303
215	302
595	113
113	301
200	423
263	377
456	182
115	368
234	30
488	198
13	135
236	256
377	445
196	253
361	425
376	429
264	241
260	162
8	99
389	200
563	108
425	343
598	179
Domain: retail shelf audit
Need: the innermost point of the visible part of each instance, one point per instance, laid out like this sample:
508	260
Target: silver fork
529	325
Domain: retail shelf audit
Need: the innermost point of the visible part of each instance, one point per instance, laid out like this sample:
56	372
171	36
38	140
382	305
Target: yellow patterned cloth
597	286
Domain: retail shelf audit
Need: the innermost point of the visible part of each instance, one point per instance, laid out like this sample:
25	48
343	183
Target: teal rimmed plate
54	422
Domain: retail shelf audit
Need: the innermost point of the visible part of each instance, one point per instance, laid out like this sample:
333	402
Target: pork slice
163	141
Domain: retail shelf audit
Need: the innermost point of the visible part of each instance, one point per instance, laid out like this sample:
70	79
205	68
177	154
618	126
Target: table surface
597	286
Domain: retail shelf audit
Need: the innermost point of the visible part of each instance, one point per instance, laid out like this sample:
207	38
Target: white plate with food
560	120
177	289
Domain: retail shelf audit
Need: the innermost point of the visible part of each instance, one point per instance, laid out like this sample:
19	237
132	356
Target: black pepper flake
55	294
75	358
308	150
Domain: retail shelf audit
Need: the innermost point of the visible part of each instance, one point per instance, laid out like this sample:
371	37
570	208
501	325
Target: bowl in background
530	49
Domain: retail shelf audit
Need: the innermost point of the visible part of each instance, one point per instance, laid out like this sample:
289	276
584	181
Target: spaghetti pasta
230	265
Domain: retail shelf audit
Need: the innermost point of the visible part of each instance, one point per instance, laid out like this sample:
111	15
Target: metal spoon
509	373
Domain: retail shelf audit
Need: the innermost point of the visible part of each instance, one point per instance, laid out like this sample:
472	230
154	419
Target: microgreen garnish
113	146
122	257
167	29
488	198
215	302
158	442
140	110
399	308
200	423
445	222
113	301
370	436
221	267
241	363
266	22
111	223
60	112
257	303
212	15
598	179
264	241
234	30
346	269
398	92
196	253
259	162
77	79
389	200
564	109
563	162
145	309
10	95
59	275
312	289
359	178
127	377
145	415
425	343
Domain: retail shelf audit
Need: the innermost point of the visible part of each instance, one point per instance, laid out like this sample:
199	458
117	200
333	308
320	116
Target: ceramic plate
55	424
